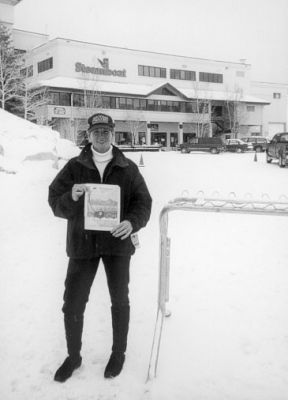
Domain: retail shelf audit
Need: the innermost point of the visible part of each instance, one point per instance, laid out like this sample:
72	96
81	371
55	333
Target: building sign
154	127
104	70
59	110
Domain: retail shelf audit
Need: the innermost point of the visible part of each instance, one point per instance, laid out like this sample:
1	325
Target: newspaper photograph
102	207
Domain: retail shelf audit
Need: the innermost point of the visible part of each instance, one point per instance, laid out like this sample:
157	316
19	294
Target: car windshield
284	138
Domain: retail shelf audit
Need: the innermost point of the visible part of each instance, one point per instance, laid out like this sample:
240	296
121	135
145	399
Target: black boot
73	329
120	325
115	364
67	368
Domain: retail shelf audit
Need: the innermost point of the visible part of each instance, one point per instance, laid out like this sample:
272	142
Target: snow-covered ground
227	337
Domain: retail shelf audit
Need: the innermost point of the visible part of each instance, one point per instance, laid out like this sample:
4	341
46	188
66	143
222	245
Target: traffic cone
255	156
141	162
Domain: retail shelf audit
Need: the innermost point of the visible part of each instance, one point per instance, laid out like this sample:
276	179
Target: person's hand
123	230
77	191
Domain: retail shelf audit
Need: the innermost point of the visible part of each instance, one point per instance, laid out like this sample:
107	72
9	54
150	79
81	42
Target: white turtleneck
101	160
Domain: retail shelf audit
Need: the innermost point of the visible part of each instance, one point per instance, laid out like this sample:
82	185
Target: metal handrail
263	206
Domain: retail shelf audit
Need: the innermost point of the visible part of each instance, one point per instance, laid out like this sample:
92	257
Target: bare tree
92	94
11	64
202	111
29	100
92	101
134	125
235	113
203	107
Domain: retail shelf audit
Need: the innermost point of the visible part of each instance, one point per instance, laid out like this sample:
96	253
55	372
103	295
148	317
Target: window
209	77
78	100
151	105
113	102
182	74
175	106
65	99
189	107
27	72
182	107
240	74
284	138
145	70
54	98
122	103
136	104
143	104
92	100
276	95
45	65
129	104
163	105
251	108
60	98
105	101
152	71
162	72
140	70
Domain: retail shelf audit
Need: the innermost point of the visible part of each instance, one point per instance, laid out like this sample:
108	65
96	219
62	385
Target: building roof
99	86
145	90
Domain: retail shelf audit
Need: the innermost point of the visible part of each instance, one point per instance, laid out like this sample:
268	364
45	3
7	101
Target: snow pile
21	140
66	149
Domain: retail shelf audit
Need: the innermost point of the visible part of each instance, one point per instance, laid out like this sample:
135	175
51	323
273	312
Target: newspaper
102	207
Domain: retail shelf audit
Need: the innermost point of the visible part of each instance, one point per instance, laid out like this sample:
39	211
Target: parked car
211	144
237	145
277	149
259	143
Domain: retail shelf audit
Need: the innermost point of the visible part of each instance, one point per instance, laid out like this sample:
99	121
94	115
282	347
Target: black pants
79	279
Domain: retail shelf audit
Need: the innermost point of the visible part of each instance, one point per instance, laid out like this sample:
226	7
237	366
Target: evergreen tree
11	64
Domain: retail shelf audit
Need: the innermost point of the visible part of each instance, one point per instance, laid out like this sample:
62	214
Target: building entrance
123	138
173	139
159	138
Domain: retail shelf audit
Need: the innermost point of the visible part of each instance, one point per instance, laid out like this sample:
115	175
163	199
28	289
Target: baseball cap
100	119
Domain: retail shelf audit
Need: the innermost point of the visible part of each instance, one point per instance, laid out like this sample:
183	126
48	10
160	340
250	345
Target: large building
152	97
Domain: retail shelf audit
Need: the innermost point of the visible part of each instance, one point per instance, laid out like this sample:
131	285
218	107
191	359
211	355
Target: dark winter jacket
135	203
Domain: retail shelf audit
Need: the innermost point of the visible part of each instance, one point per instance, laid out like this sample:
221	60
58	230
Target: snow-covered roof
101	86
145	90
221	96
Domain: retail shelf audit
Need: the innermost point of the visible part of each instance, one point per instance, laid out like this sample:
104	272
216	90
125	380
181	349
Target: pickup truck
277	149
211	144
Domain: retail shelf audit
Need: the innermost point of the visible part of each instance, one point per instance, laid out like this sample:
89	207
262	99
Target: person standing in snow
98	162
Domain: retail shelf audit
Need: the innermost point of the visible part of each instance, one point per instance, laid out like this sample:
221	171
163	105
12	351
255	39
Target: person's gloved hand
123	230
77	191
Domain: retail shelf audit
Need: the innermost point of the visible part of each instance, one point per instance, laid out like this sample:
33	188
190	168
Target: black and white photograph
144	200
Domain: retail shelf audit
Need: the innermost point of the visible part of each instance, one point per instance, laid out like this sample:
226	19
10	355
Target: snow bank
21	140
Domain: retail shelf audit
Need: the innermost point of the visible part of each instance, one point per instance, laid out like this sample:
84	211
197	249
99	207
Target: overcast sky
228	30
